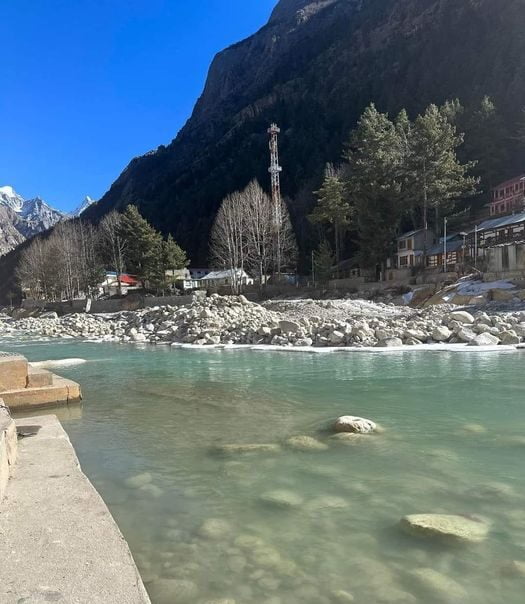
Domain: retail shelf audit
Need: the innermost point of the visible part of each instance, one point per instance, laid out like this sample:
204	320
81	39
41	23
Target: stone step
13	371
37	377
61	391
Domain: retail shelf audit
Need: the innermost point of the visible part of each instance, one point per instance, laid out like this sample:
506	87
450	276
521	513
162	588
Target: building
505	229
110	285
508	197
411	247
455	249
199	273
216	279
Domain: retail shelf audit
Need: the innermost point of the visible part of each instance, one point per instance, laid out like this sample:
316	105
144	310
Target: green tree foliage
143	245
375	156
485	130
433	175
323	262
333	208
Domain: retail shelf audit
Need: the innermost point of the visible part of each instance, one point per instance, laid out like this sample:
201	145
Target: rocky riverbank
302	323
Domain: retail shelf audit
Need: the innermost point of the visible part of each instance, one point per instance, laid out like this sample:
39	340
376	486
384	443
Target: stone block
13	372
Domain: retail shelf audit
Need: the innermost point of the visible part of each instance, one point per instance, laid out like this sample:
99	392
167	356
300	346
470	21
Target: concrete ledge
58	540
8	448
13	371
61	391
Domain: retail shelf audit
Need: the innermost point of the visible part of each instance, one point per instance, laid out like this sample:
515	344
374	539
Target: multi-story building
508	197
411	247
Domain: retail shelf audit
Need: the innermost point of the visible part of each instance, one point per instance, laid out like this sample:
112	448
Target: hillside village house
216	279
455	250
508	197
110	286
411	247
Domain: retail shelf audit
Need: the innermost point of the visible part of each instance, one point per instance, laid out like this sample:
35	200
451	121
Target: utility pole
275	172
476	247
444	245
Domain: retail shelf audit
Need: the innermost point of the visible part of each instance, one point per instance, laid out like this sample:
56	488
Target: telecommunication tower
275	172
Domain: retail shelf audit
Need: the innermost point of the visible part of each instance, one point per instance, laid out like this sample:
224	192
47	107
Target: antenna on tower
275	171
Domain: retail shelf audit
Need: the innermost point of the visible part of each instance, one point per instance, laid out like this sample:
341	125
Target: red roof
128	280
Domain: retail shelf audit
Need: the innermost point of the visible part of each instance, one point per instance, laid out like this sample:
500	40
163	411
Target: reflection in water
293	526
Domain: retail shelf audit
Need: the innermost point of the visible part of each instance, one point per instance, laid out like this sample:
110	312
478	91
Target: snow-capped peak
83	206
10	198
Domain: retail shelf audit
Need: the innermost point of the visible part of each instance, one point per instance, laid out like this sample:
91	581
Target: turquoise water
157	413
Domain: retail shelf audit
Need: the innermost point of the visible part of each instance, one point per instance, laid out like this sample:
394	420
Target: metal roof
502	221
452	246
409	234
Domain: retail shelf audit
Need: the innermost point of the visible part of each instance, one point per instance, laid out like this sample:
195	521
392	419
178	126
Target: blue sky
88	84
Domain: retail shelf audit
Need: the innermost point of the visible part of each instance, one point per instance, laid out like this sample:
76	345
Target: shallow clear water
160	411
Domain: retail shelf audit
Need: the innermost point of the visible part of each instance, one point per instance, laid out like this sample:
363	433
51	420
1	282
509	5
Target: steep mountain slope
86	203
23	218
313	68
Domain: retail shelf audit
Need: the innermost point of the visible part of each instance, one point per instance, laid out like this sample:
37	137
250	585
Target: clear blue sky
86	85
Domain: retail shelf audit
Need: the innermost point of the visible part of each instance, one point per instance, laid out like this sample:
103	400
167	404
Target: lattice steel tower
275	171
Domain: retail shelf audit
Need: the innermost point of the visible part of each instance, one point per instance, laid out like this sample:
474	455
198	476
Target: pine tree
433	175
173	258
332	207
323	261
143	246
485	131
375	154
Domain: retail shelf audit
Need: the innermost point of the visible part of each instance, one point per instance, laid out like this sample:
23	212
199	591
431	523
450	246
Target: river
454	442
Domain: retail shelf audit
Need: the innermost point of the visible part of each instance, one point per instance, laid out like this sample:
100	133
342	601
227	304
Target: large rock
447	527
510	338
501	295
441	333
462	316
351	423
390	343
484	339
289	326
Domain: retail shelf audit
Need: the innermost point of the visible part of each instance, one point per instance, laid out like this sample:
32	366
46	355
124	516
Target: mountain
312	69
22	218
88	202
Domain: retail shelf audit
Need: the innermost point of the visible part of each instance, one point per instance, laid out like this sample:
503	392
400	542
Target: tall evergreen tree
143	245
485	130
375	156
323	262
433	175
333	208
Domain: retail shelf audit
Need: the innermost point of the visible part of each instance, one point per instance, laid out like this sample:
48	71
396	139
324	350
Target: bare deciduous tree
114	244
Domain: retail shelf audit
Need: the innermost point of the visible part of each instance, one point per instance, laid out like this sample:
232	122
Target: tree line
396	173
72	260
252	233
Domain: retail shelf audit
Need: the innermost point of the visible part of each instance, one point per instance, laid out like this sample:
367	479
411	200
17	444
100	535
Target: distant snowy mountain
23	218
83	206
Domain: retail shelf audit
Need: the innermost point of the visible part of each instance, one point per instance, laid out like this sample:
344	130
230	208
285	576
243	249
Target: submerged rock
448	527
474	428
282	498
138	481
438	586
241	449
341	596
214	528
351	423
326	502
513	568
305	443
172	590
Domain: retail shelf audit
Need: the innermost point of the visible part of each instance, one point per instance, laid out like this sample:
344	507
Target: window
403	260
410	243
402	244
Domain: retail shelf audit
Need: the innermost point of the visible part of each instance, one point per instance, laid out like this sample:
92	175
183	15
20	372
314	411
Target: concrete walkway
58	541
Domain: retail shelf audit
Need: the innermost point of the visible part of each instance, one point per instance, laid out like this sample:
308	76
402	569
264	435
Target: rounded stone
448	527
214	528
352	423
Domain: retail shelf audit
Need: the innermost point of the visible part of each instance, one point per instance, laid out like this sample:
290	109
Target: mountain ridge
313	68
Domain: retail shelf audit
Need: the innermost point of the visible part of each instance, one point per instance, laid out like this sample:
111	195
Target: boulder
282	499
509	338
289	326
336	337
138	481
448	527
351	423
441	333
390	343
484	339
501	295
462	316
465	335
305	443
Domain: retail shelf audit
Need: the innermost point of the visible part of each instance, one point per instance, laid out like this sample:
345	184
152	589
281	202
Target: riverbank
231	320
59	541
